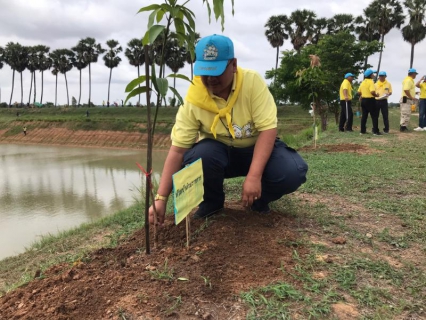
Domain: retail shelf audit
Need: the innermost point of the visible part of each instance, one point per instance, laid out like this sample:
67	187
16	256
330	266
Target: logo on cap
210	52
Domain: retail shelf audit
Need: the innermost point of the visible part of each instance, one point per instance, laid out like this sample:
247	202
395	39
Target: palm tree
62	62
366	32
300	27
32	67
340	22
320	25
176	57
17	58
92	50
112	60
191	59
275	33
44	63
415	31
384	16
79	63
1	63
135	54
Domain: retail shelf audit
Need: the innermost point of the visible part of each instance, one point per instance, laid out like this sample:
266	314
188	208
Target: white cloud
62	23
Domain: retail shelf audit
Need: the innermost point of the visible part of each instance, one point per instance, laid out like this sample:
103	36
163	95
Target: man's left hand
252	189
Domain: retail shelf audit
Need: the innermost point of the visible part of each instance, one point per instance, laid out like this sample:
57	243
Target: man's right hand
160	207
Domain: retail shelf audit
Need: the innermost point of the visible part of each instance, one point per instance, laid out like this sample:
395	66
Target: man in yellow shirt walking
383	90
422	104
231	113
408	99
367	92
346	114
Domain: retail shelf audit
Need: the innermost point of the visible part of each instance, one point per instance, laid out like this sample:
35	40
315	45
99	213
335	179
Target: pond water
45	189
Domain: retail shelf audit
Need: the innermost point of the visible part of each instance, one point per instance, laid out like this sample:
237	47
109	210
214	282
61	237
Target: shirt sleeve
390	88
185	130
406	85
372	87
263	108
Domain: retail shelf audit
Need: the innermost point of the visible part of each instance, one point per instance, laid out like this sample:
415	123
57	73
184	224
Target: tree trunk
56	90
174	87
380	56
365	62
31	87
22	90
79	95
42	85
109	84
192	70
11	94
412	55
35	87
90	84
139	87
66	86
276	63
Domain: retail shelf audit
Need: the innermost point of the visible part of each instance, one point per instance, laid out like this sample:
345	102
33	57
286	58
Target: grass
375	199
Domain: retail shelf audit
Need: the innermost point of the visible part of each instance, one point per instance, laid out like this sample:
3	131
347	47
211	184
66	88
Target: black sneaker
260	206
362	133
205	211
378	133
349	130
386	132
403	128
341	130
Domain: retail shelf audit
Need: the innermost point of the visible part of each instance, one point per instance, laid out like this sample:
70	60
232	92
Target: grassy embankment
373	199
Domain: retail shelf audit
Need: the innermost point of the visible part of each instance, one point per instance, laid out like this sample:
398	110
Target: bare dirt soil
231	253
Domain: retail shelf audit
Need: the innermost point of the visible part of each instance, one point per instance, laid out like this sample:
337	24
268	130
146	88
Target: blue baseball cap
383	73
412	70
349	75
369	72
212	55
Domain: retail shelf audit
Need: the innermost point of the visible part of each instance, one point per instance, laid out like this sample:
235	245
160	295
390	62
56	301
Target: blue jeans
422	113
284	172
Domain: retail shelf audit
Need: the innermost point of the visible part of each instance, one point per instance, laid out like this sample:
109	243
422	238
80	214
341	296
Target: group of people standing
374	100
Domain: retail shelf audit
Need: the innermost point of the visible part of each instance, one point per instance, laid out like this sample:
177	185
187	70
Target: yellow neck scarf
381	84
199	96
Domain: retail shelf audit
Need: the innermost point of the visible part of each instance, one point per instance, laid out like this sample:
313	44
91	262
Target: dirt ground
231	253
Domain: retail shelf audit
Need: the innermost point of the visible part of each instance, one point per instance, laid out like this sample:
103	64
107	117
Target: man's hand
160	207
252	189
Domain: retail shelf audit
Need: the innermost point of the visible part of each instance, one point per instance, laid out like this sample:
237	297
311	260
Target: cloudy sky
62	23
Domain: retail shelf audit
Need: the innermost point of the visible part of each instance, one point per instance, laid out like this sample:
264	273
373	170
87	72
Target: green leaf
152	17
160	15
177	94
183	279
154	77
180	76
135	82
189	16
135	92
209	10
163	86
152	34
149	8
180	28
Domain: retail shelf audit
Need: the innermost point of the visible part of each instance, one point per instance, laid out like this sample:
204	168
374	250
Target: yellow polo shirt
346	84
254	111
408	84
383	88
423	90
366	87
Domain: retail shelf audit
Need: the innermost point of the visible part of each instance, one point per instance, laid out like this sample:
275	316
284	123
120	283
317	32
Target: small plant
207	281
165	273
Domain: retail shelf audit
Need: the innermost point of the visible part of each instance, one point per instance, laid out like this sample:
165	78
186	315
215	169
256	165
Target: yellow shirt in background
383	88
408	84
423	90
254	111
366	87
346	84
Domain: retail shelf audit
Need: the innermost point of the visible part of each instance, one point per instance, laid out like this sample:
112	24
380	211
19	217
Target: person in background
367	92
25	130
408	99
422	104
346	114
383	90
229	120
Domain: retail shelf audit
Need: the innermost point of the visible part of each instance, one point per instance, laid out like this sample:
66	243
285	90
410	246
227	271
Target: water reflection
47	189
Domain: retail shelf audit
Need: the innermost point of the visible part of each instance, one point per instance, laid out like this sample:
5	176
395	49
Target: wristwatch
158	197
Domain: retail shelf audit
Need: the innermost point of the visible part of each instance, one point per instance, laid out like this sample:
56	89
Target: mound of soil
343	147
229	254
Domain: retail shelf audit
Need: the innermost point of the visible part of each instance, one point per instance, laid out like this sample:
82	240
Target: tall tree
1	63
16	56
276	34
80	63
62	63
365	32
340	22
112	60
384	16
44	63
92	50
135	54
176	57
319	29
300	27
415	31
55	57
190	53
32	67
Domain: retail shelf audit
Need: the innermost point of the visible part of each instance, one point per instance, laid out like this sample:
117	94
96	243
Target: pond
47	189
